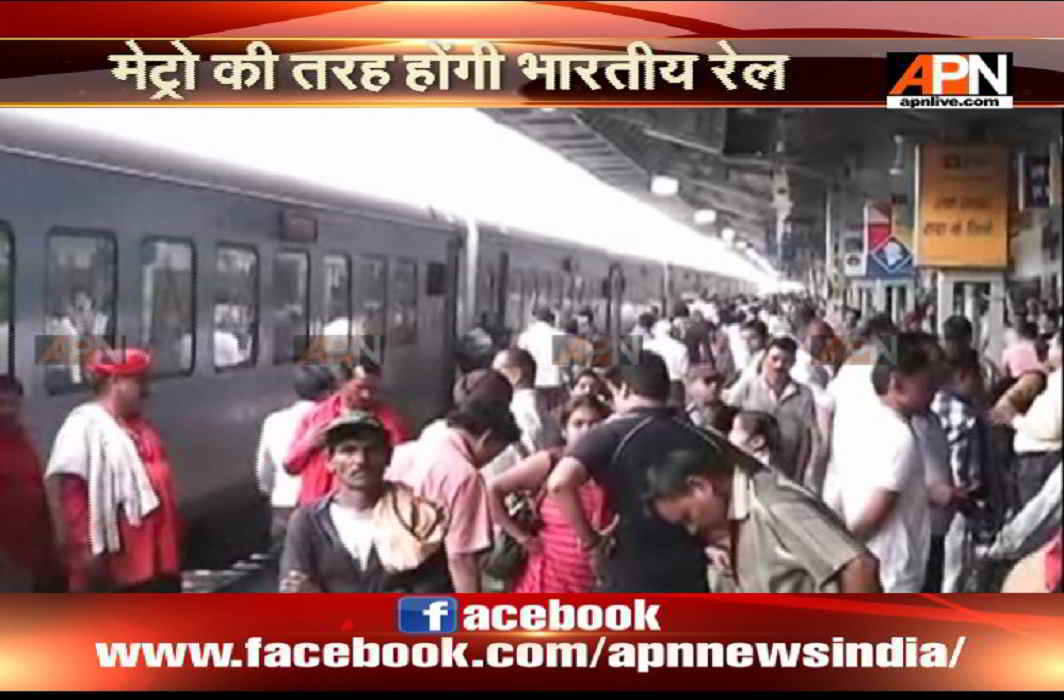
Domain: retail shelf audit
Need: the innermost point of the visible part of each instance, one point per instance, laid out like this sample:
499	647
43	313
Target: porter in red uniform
119	514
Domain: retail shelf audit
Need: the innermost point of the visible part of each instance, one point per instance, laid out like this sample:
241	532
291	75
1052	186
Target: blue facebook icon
428	615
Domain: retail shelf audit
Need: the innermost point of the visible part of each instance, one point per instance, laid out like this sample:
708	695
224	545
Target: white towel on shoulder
93	446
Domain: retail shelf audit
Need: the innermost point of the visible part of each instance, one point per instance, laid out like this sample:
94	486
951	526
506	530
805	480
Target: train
227	274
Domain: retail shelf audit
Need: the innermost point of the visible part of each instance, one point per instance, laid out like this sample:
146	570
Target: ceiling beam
681	141
731	212
756	203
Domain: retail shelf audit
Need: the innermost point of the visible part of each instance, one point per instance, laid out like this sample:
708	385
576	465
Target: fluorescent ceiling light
664	186
705	216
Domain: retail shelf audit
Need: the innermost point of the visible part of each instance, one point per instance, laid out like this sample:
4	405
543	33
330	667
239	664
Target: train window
291	320
435	279
514	285
80	302
236	307
370	283
578	292
337	304
486	294
7	306
168	311
404	302
604	305
902	297
534	290
525	282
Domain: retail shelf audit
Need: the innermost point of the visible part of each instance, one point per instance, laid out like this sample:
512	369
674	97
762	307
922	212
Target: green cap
351	422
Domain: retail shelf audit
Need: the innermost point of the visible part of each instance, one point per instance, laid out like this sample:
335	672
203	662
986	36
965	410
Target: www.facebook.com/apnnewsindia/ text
439	617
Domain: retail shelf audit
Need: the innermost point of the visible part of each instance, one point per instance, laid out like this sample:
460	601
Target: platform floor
258	574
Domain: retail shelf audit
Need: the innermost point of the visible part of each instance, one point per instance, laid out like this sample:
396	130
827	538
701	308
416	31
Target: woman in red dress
556	561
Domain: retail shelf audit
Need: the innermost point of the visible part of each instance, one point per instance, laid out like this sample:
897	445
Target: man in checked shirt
958	407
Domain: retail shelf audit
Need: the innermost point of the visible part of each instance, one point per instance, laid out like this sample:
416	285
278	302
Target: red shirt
149	550
1053	565
26	535
310	461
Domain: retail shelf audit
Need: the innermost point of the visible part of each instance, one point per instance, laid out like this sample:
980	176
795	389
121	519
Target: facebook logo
428	615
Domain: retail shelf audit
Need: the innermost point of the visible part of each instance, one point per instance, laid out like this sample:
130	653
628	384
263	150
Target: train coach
228	274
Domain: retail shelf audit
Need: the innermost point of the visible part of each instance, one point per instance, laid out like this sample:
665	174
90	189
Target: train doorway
980	297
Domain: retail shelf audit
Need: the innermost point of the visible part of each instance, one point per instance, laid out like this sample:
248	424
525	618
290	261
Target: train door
614	303
453	276
529	297
560	296
668	286
980	297
499	300
898	299
509	300
487	314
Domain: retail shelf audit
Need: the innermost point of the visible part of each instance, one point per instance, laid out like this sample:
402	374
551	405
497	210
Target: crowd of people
749	444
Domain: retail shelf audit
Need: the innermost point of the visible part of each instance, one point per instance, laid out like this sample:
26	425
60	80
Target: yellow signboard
962	212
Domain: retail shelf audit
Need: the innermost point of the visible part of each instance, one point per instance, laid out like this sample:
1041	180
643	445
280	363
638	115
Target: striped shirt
563	566
961	423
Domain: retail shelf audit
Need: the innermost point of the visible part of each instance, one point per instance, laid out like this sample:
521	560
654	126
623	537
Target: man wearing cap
359	392
368	535
119	520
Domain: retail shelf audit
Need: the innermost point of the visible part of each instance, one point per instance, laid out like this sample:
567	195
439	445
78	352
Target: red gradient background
523	19
837	49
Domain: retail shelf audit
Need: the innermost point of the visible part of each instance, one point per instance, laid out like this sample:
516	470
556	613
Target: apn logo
955	79
428	615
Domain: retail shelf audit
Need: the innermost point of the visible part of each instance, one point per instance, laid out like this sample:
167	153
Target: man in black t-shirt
649	555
